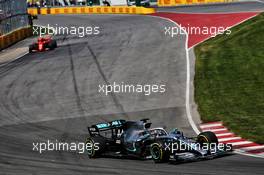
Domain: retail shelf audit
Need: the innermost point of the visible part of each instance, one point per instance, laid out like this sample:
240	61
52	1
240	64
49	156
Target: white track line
188	80
187	95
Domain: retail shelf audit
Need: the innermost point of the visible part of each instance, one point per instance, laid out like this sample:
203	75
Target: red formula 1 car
43	44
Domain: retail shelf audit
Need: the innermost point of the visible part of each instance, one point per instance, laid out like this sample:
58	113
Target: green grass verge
229	80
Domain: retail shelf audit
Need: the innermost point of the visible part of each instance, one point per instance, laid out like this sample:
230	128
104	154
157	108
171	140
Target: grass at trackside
229	81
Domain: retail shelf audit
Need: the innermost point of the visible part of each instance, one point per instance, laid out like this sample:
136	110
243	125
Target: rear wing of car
96	129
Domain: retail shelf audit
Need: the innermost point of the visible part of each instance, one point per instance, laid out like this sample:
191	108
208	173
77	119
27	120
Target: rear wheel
55	44
158	152
95	146
31	48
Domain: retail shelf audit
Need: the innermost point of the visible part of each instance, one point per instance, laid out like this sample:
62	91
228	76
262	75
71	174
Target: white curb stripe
224	134
228	139
241	143
215	130
210	125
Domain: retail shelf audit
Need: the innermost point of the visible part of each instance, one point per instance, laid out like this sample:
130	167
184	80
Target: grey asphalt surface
54	96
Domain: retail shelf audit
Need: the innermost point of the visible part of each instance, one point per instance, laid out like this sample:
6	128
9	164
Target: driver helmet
176	131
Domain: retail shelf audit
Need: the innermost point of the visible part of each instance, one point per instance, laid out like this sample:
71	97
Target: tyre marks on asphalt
81	110
226	136
7	95
6	68
75	86
112	94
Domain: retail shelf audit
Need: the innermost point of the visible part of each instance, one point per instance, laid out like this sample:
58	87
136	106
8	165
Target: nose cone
40	47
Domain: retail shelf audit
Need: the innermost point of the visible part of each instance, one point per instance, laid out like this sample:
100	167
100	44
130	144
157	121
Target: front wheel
207	137
52	45
159	153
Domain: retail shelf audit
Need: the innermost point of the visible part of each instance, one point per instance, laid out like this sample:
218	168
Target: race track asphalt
54	95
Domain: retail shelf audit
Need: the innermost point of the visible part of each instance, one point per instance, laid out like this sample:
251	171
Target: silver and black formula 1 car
135	138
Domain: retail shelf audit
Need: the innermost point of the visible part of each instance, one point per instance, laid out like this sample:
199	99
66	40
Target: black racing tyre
31	48
207	137
55	43
147	4
96	146
34	17
52	45
158	152
106	3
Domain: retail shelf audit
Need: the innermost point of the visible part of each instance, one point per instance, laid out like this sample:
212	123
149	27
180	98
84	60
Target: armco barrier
15	36
91	10
190	2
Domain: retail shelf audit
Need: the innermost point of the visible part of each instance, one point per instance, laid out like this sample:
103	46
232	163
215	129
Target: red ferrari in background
43	44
